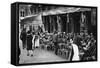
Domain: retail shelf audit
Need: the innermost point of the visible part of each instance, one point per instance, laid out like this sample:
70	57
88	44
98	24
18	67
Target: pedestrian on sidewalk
29	44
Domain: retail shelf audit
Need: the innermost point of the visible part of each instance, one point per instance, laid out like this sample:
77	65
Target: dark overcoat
29	42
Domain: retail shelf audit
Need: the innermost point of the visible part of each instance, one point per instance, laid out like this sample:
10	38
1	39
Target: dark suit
29	42
23	38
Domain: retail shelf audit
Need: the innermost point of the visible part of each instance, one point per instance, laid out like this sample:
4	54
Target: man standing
23	37
29	43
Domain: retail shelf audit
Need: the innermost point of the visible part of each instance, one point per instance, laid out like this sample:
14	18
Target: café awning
32	19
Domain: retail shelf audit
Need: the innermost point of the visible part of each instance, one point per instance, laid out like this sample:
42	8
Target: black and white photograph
50	33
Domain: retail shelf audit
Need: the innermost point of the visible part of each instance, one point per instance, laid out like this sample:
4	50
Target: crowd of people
29	41
74	46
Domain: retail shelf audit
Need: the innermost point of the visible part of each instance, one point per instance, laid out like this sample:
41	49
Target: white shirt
76	53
